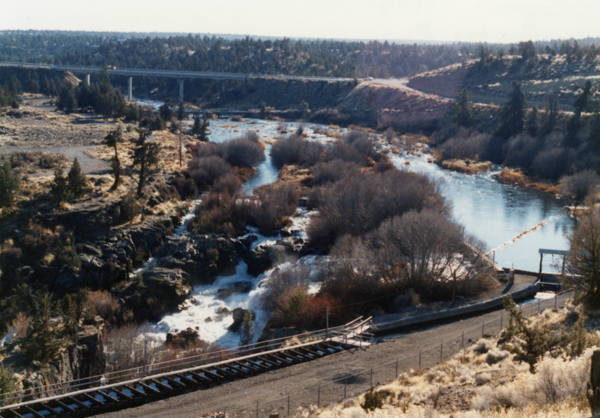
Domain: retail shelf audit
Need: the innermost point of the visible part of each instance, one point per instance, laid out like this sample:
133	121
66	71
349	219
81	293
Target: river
493	212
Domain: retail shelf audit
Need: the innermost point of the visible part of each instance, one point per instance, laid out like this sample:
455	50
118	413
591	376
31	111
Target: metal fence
336	391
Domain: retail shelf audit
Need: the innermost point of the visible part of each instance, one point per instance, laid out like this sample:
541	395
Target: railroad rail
134	387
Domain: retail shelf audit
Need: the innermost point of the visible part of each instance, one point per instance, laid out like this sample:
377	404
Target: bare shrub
229	183
578	186
333	171
124	347
296	150
206	170
273	205
496	356
499	397
242	152
221	212
358	205
465	145
102	303
346	152
282	280
521	151
552	163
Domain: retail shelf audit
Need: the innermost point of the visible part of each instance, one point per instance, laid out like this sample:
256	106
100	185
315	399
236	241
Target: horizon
409	21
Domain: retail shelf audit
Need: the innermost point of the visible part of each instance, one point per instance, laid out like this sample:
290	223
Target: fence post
539	306
396	367
345	383
463	345
555	301
419	359
501	322
319	397
145	356
288	404
482	329
371	376
441	351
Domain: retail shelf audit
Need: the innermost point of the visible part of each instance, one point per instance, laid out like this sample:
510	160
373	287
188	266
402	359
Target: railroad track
102	398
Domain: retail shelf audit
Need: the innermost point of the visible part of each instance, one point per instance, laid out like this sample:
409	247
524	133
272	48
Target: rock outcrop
265	257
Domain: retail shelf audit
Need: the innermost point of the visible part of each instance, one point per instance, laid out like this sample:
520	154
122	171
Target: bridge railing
184	360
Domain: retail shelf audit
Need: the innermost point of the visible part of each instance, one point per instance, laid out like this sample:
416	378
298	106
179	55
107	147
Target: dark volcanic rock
238	318
244	286
160	291
203	257
265	257
183	339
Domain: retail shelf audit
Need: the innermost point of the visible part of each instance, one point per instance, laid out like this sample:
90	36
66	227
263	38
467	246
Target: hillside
491	82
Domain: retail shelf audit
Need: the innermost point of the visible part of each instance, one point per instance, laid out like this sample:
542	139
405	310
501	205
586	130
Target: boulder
238	318
265	257
183	339
244	286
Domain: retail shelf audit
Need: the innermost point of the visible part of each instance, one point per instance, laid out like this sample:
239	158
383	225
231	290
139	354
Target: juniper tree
42	341
145	157
462	110
113	139
532	125
77	180
59	187
200	128
9	184
512	114
180	117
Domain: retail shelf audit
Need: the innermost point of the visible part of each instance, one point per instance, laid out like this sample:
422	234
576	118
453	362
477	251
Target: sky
497	21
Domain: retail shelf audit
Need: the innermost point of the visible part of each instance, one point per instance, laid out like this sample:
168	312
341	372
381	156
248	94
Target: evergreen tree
551	116
113	139
181	113
165	111
200	128
462	109
145	156
533	125
77	180
59	187
512	114
582	103
42	341
9	184
67	102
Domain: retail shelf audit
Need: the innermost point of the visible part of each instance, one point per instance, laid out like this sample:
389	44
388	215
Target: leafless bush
465	145
296	150
206	170
521	151
102	303
360	204
242	152
282	280
578	186
124	347
222	212
229	183
333	171
273	205
552	163
348	153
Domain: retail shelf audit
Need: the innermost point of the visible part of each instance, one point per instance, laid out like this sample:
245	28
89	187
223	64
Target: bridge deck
105	398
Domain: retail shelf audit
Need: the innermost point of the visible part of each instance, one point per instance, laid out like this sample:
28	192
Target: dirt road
336	374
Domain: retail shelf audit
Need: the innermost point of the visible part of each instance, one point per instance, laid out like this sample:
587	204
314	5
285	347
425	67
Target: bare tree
145	156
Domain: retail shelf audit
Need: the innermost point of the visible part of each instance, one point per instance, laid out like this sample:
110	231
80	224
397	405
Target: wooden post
396	367
541	259
593	392
563	266
319	397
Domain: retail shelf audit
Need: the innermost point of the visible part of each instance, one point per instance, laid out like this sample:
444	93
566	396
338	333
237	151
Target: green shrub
373	400
9	184
7	384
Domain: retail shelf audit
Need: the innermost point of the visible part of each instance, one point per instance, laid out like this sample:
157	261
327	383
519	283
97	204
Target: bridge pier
87	79
181	89
130	96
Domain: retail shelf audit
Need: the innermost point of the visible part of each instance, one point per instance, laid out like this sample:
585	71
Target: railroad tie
65	406
93	399
34	412
79	403
148	387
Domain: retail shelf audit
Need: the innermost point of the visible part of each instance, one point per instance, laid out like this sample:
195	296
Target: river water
493	212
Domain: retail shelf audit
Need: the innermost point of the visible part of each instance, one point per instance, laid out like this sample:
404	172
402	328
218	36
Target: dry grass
485	383
467	166
515	177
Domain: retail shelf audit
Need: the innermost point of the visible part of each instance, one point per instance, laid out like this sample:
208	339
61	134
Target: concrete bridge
179	75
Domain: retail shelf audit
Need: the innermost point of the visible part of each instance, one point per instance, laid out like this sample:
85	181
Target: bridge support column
130	97
181	90
87	79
